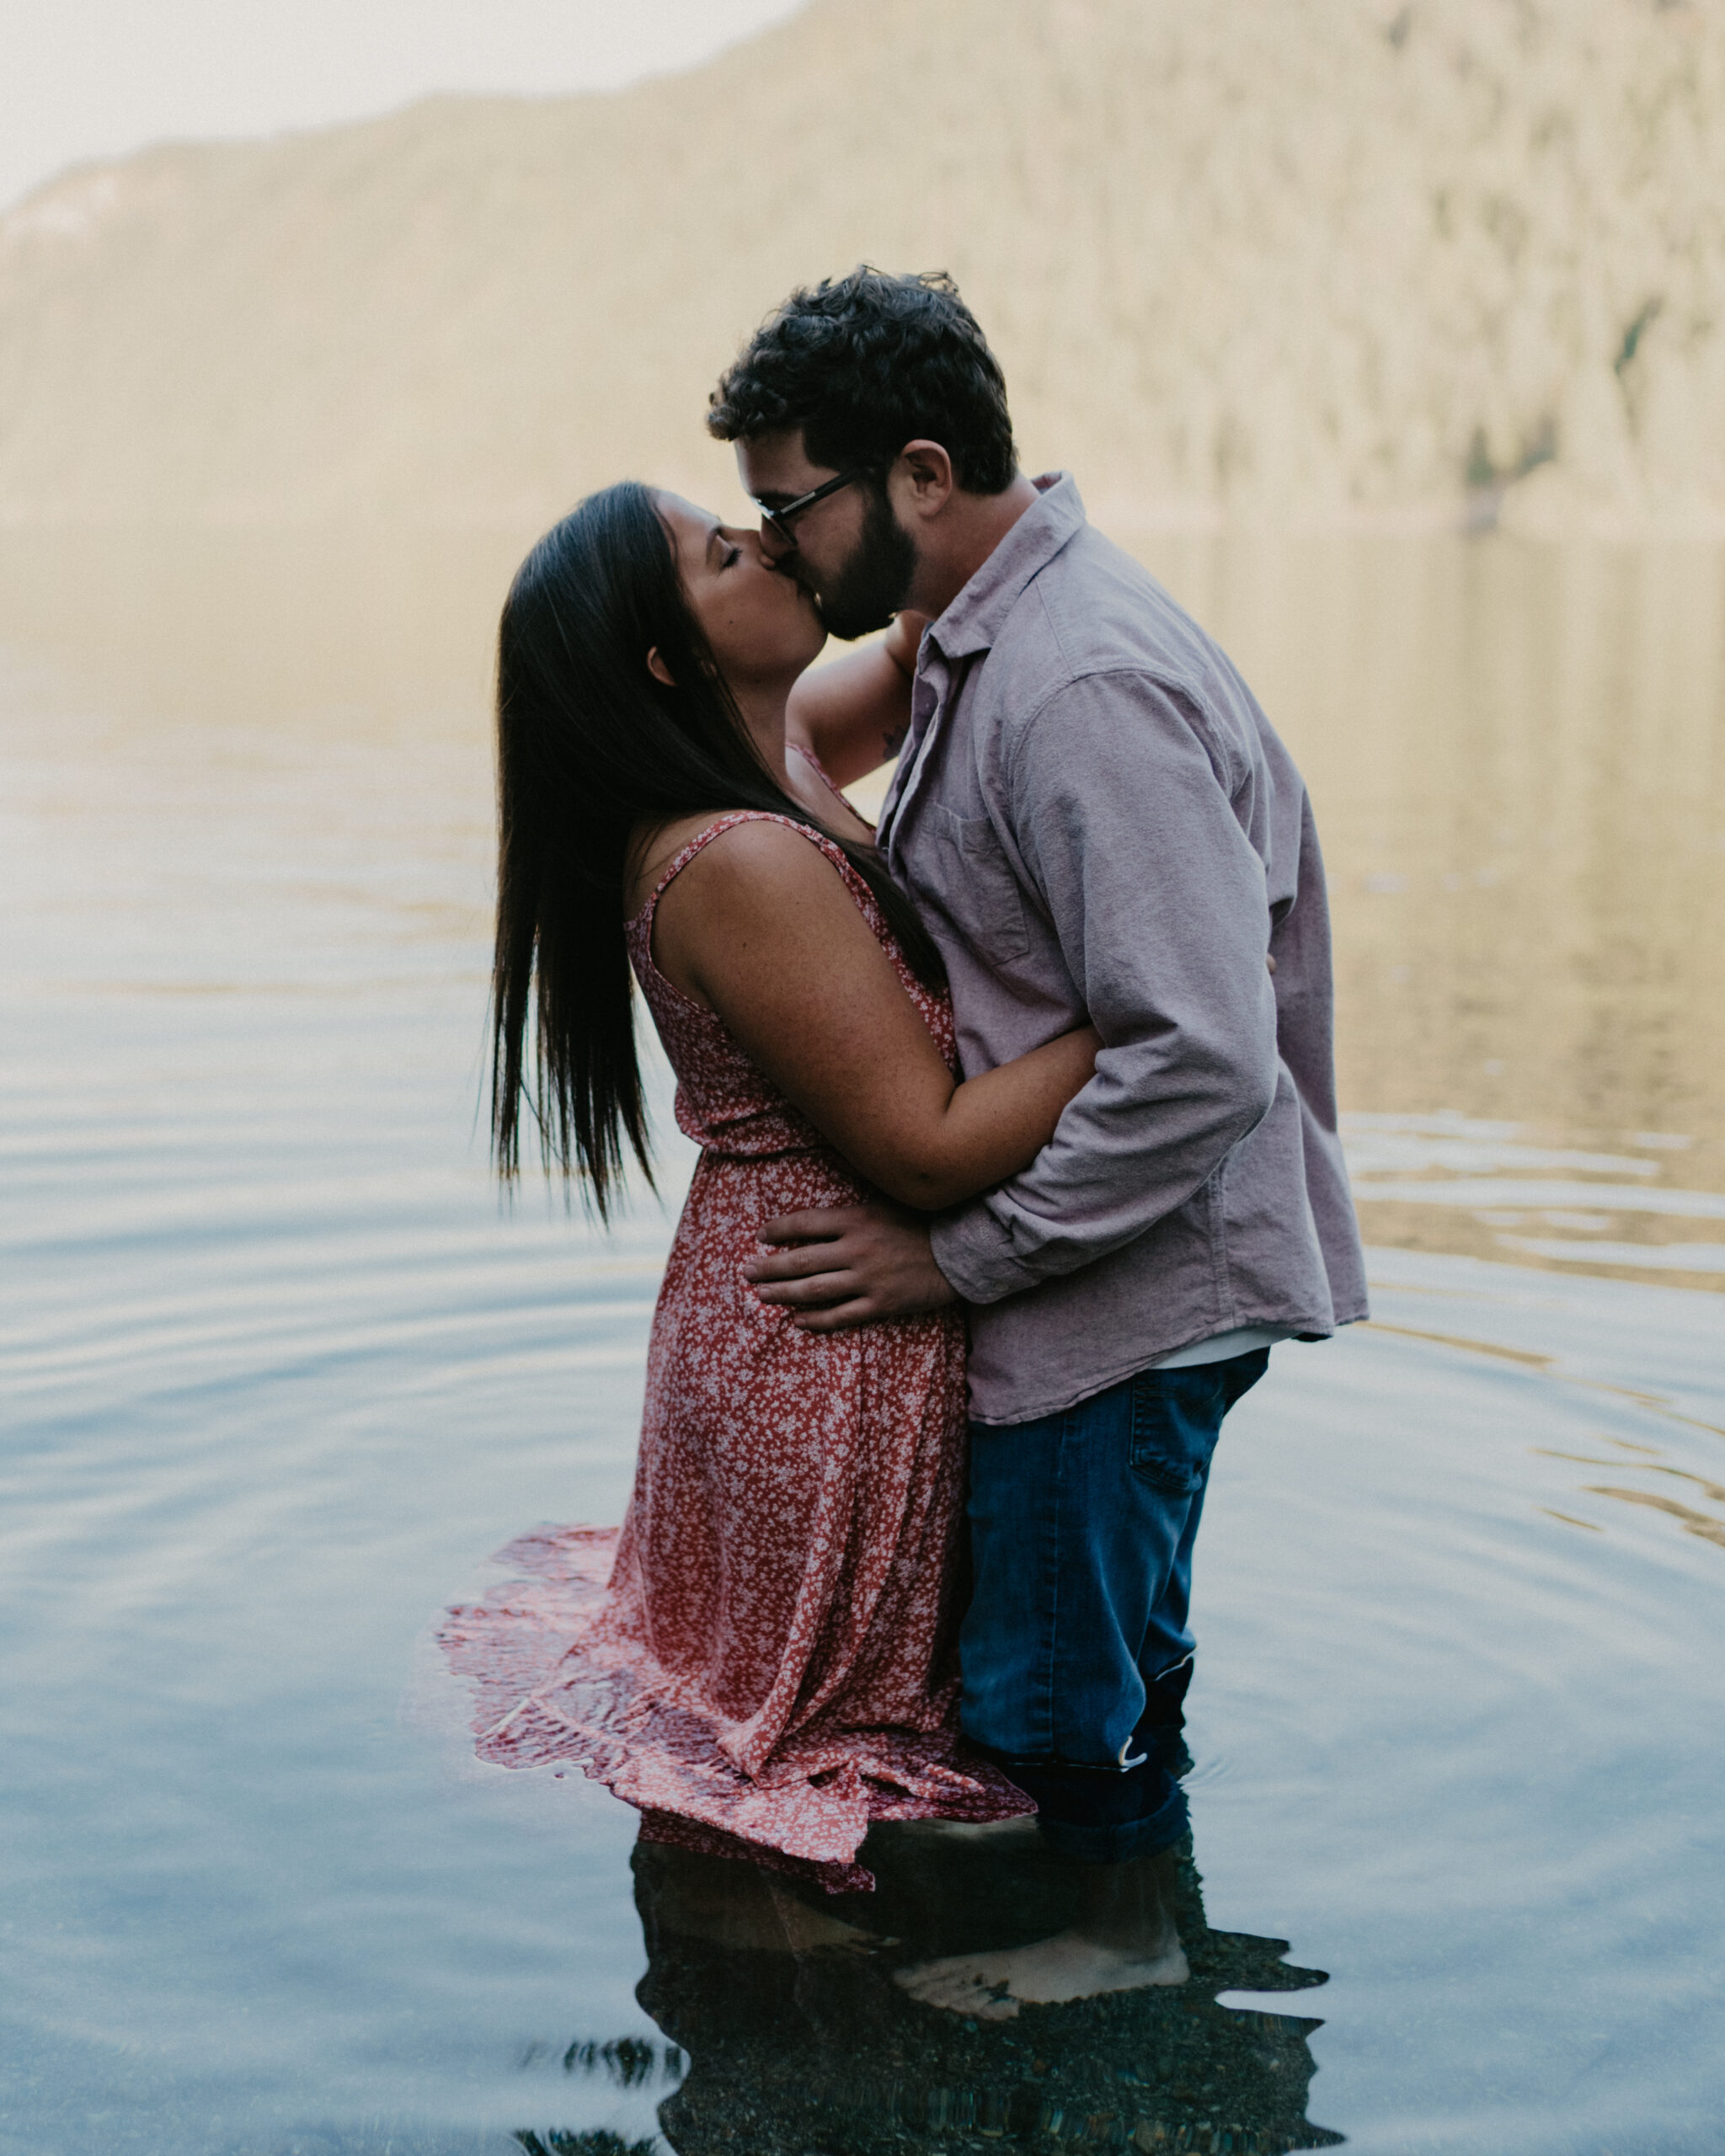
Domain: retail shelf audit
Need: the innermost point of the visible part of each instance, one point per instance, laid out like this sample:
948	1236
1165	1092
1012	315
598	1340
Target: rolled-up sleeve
1130	818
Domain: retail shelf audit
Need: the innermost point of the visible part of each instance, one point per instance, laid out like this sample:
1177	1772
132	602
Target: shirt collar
975	617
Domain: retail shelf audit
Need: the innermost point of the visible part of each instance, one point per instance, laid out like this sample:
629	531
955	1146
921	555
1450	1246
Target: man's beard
874	583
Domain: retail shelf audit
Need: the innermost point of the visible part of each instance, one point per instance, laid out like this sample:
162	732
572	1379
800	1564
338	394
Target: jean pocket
1174	1425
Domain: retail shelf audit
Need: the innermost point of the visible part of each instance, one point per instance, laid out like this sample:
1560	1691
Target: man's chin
848	623
869	588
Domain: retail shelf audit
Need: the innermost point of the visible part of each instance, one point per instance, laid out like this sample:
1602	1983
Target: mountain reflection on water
1514	750
278	1371
821	2051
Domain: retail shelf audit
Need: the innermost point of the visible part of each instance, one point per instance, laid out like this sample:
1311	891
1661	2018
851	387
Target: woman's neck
764	712
763	709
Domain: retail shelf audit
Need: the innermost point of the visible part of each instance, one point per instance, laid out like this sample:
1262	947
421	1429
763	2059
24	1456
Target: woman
769	1665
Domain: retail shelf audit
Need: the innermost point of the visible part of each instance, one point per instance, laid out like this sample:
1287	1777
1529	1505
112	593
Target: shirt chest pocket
981	895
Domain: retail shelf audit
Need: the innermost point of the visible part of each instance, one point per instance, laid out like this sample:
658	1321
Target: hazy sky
86	79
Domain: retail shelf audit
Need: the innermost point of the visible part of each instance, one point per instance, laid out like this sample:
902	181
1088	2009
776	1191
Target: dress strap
825	778
680	860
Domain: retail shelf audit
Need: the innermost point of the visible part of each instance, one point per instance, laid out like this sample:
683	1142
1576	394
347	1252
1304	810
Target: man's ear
658	669
921	478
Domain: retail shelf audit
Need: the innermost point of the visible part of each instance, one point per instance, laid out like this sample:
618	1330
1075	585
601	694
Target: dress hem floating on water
553	1690
763	1659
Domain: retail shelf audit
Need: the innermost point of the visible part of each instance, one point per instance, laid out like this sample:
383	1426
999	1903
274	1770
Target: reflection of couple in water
819	2053
1017	1137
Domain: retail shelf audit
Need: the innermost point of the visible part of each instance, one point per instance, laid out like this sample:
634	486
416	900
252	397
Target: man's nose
774	544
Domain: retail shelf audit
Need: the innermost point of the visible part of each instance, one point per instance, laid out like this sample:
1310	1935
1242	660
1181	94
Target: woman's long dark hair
590	745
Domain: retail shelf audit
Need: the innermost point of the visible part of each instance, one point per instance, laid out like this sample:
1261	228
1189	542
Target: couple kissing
1017	1135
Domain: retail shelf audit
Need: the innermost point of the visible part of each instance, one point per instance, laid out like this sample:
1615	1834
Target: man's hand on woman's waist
847	1265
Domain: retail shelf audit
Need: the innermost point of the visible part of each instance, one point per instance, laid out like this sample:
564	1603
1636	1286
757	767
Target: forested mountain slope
1272	261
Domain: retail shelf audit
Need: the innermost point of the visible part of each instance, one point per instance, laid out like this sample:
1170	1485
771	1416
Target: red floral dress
763	1658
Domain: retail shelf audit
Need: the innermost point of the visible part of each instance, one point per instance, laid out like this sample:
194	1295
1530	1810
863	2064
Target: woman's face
762	625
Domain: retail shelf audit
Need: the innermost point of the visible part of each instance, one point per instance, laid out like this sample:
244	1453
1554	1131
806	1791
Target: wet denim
1077	1648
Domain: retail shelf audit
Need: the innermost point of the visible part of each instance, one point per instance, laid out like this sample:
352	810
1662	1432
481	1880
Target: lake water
279	1373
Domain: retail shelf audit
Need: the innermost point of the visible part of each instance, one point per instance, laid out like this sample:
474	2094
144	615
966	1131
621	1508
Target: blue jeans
1076	1651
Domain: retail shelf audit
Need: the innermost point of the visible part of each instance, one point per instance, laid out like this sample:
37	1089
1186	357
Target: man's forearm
1115	1167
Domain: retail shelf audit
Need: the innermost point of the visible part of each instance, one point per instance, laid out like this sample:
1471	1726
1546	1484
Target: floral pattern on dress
763	1658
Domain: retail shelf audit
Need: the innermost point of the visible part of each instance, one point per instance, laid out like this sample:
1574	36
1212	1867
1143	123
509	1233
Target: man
1095	819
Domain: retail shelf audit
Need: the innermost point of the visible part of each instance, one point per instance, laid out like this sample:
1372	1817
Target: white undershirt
1221	1344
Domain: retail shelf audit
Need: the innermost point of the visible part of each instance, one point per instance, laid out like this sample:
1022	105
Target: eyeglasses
780	519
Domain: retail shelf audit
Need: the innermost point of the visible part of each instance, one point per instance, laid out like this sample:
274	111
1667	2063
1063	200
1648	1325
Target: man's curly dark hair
866	364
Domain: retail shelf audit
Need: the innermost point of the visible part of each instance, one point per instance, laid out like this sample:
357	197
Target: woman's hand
904	640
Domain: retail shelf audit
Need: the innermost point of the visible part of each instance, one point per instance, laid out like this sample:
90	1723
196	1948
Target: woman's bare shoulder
653	849
759	893
776	860
756	851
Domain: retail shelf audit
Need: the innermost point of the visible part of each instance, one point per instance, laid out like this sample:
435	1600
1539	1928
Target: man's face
848	550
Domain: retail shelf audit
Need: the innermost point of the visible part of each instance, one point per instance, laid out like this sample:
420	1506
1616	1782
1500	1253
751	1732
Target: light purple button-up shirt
1095	819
